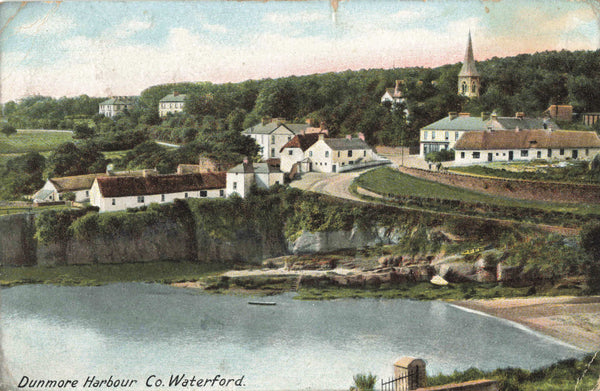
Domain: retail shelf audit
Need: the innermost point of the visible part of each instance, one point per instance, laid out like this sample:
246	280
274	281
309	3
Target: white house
294	150
55	188
444	134
113	193
510	145
172	103
241	178
272	136
336	154
116	105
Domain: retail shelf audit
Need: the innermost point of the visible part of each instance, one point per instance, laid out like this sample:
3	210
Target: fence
407	382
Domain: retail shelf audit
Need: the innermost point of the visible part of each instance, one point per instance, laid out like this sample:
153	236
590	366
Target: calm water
138	330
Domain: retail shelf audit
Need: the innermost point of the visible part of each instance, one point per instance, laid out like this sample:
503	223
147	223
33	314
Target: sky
103	48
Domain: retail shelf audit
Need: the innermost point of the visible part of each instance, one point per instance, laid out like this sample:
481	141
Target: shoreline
574	320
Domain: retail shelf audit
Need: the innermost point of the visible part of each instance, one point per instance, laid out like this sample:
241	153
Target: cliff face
17	245
318	242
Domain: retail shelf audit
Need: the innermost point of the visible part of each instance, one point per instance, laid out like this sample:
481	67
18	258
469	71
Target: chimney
517	129
452	114
265	120
483	116
464	114
397	90
494	116
175	93
246	160
519	115
348	137
321	136
361	136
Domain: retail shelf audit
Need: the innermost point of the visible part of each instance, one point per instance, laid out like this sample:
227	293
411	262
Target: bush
364	382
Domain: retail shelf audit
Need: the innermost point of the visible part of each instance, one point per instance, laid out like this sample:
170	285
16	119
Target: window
587	152
273	139
234	185
473	87
310	153
338	153
203	193
140	199
272	152
433	134
462	155
476	155
365	153
424	135
87	193
524	153
290	152
114	202
162	198
549	152
351	162
455	136
276	182
221	193
350	153
447	136
326	153
464	87
186	195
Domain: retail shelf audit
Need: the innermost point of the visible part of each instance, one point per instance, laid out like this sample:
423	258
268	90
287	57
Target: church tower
468	77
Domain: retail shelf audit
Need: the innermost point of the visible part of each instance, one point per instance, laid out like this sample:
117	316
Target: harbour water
136	331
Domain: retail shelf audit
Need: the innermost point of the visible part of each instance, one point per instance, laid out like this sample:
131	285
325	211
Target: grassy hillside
33	141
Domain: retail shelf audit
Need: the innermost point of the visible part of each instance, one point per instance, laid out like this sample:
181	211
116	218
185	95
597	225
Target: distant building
443	134
510	145
468	77
560	112
205	164
55	188
272	134
241	178
114	193
172	103
395	97
116	105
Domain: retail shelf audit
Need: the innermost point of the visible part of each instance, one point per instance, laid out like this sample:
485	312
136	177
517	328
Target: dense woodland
346	102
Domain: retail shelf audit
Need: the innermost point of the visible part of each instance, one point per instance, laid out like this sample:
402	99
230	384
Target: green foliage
364	382
54	226
22	175
82	131
590	242
441	156
8	130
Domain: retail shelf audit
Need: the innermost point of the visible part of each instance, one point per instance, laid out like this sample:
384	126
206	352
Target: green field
33	141
388	181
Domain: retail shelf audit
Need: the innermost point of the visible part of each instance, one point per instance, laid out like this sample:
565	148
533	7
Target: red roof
114	186
302	141
524	139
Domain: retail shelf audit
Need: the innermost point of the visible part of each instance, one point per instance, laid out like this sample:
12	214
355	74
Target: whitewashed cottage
241	178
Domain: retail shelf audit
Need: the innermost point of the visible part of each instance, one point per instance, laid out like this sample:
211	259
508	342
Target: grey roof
119	100
174	98
257	168
42	194
526	123
344	143
458	123
468	67
272	126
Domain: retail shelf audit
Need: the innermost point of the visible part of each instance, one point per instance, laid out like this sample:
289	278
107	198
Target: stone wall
523	189
17	245
475	385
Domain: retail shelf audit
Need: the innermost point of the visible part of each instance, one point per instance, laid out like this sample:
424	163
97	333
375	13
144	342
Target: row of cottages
117	105
509	145
171	104
114	193
444	134
55	189
315	152
242	177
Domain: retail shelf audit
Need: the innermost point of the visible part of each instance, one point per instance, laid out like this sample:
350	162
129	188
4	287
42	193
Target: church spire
468	77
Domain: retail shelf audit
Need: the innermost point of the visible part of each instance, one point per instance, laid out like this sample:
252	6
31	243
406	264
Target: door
575	154
510	156
334	168
490	157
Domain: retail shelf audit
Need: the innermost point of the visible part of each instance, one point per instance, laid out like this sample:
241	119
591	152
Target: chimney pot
348	137
464	114
452	114
361	136
321	136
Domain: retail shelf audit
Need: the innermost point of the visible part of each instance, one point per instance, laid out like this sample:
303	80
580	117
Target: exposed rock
456	271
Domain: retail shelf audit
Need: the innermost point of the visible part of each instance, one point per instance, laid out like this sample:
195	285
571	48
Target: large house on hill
113	193
116	105
172	103
509	145
444	134
272	136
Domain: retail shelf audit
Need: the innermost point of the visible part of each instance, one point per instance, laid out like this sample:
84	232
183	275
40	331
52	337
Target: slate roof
338	144
159	184
525	123
458	123
468	67
119	100
272	126
257	168
73	183
174	98
302	141
524	139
